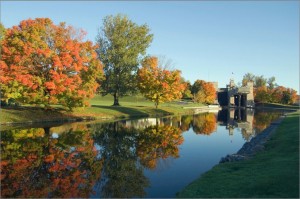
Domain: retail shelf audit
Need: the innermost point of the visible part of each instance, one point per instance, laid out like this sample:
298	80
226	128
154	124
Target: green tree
187	93
186	122
271	83
248	77
122	176
121	45
289	96
196	87
260	81
2	33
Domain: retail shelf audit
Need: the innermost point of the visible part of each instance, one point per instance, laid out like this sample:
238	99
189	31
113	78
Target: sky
208	40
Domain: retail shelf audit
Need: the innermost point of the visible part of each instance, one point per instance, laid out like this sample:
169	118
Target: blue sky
204	39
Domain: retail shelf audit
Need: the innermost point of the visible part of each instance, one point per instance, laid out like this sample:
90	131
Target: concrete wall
250	96
232	90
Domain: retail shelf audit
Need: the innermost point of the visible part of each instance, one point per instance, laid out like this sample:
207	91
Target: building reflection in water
82	160
205	123
241	118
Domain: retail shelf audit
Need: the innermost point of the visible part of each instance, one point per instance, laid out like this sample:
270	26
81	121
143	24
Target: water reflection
238	118
33	164
126	151
122	176
263	119
157	142
249	122
107	159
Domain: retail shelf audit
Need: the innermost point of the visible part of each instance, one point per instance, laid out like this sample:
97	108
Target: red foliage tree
44	63
34	165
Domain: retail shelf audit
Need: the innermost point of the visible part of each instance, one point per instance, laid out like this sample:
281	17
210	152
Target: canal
148	157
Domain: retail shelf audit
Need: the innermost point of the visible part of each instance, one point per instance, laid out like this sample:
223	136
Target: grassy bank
277	106
273	173
101	108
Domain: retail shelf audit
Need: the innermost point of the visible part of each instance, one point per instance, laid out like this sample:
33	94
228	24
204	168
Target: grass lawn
273	173
101	108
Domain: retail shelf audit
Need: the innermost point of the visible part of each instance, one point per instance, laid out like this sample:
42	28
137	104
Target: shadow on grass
22	114
32	108
133	111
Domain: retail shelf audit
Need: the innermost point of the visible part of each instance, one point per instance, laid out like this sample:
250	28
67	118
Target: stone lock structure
233	96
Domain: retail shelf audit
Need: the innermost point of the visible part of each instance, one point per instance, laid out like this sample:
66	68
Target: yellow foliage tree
204	123
158	141
157	84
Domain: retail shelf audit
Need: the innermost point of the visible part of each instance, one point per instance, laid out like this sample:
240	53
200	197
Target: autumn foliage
203	92
44	63
263	119
157	84
34	165
267	91
279	94
158	142
204	123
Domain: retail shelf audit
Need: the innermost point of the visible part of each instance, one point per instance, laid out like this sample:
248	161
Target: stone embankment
203	109
255	145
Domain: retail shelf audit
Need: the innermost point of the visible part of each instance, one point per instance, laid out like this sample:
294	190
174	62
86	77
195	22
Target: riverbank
101	109
276	106
271	173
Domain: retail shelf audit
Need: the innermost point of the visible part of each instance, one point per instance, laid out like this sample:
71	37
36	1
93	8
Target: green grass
19	114
273	173
277	106
101	108
131	106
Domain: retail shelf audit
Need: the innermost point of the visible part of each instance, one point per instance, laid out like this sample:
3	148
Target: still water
150	157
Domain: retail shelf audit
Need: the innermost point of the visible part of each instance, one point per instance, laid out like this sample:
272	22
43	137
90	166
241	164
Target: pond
149	157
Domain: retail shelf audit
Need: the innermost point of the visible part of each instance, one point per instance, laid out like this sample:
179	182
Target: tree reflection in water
106	159
126	151
122	176
205	123
33	164
263	119
156	142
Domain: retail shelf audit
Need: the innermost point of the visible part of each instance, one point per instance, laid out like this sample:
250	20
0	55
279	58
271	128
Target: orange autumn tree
204	123
158	84
203	92
44	63
33	164
158	141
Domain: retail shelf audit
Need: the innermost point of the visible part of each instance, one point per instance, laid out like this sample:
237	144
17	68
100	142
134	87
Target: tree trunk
116	99
46	148
156	104
47	131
